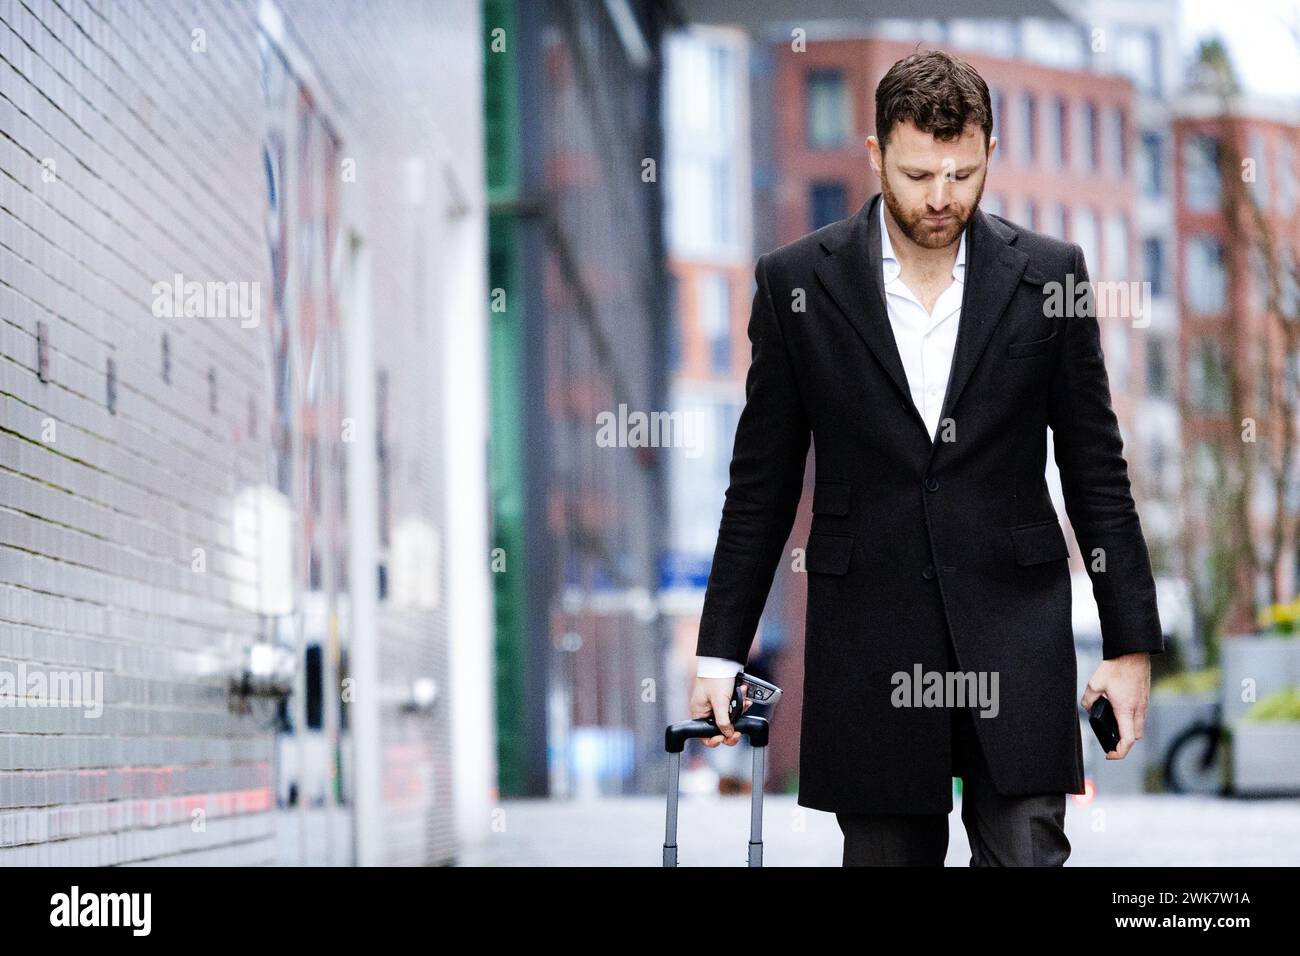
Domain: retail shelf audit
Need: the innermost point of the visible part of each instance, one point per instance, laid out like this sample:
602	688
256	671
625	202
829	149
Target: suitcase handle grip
676	735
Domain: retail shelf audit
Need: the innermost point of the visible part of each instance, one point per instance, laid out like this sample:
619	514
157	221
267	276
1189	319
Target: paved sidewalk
1119	831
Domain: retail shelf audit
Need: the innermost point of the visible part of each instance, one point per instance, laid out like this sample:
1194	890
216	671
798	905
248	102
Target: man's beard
924	234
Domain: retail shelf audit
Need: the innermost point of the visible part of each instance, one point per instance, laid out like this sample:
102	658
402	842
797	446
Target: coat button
928	573
932	484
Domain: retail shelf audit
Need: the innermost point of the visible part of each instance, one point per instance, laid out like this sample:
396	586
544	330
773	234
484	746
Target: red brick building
1235	197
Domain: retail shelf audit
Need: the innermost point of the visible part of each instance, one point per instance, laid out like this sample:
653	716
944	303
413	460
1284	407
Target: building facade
1236	181
224	322
579	338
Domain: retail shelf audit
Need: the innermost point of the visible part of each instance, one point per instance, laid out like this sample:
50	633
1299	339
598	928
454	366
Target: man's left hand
1126	682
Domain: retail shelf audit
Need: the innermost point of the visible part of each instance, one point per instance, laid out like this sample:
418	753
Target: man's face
932	187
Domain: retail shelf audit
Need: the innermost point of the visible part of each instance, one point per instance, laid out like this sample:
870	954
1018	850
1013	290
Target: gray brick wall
126	157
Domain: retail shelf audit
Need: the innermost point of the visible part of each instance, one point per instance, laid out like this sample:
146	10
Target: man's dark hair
937	92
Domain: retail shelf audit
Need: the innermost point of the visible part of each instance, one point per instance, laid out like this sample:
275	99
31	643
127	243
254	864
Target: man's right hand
711	696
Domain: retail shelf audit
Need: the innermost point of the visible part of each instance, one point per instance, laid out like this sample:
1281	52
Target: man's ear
875	154
993	144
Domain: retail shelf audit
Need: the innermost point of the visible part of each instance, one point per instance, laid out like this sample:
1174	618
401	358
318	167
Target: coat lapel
993	269
852	275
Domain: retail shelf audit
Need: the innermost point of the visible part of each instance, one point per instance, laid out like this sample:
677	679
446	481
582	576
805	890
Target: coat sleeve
766	481
1089	452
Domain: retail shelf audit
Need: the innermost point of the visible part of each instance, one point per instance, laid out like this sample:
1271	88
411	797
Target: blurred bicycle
1197	759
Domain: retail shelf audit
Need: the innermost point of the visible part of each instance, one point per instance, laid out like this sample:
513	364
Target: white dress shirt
926	342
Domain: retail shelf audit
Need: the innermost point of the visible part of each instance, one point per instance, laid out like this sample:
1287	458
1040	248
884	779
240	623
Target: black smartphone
1102	718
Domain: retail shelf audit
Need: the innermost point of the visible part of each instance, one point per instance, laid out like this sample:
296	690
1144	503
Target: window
1153	265
724	70
722	189
1157	457
1028	129
1087	119
1058	117
1056	43
827	109
715	319
1117	355
1157	368
674	323
699	482
1258	151
829	203
703	209
1150	172
1031	214
1116	147
1116	236
1207	378
701	202
997	101
1205	282
1085	234
994	37
1201	172
1137	56
1057	221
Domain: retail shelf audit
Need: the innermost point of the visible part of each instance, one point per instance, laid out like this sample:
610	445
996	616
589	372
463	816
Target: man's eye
963	176
916	178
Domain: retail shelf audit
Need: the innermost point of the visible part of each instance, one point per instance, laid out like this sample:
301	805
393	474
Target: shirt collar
891	265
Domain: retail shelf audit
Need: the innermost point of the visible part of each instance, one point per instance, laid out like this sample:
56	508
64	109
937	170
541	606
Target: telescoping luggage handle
754	726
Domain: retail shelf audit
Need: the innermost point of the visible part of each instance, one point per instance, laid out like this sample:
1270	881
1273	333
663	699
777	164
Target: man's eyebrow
915	170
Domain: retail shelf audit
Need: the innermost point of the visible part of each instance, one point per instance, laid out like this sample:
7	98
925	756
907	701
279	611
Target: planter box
1266	758
1272	662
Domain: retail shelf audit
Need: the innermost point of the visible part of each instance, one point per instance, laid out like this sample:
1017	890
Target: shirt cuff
718	667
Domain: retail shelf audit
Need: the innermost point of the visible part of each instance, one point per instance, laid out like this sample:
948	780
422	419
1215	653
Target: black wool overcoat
917	542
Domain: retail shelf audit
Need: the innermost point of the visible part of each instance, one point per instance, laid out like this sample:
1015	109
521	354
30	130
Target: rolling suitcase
754	724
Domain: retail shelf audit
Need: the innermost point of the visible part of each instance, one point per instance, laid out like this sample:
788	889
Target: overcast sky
1264	51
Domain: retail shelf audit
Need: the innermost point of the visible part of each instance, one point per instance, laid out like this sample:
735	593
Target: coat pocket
828	552
831	497
1036	347
1039	542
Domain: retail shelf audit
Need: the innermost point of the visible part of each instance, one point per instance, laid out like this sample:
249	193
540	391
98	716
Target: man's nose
941	194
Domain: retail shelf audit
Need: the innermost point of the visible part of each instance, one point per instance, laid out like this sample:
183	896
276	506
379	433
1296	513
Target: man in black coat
925	348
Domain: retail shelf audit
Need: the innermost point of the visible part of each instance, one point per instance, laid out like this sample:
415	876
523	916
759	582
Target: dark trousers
1003	830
